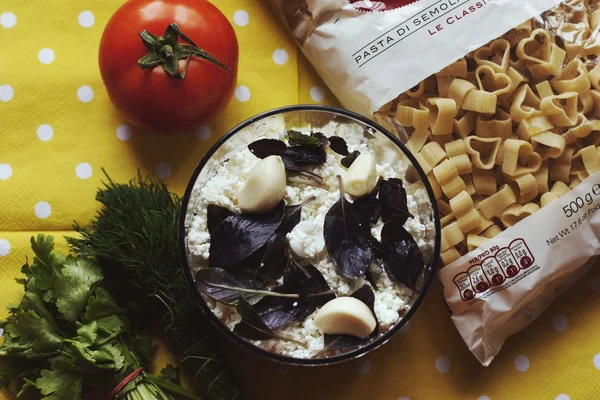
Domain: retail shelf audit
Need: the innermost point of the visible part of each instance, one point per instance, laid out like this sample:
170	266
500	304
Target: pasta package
499	100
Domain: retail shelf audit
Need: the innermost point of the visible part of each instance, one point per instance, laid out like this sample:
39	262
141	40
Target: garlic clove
264	187
346	316
361	177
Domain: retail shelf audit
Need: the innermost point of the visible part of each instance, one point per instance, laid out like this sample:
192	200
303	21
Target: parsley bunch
68	334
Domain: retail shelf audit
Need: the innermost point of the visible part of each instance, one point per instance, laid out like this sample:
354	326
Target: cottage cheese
306	239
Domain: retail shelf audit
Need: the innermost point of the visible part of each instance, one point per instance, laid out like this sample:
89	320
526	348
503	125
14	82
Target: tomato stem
166	51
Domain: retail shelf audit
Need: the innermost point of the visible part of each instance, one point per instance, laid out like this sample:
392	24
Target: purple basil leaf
338	145
216	214
267	147
349	159
251	326
305	281
322	138
296	138
348	239
304	155
393	198
240	235
274	260
339	342
370	206
403	260
235	278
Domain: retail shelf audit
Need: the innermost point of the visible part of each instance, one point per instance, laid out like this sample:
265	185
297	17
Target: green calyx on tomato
166	51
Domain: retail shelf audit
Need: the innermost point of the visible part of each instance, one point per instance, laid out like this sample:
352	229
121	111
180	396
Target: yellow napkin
53	145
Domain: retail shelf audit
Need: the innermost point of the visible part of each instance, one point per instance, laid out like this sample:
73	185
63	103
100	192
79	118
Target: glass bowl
315	116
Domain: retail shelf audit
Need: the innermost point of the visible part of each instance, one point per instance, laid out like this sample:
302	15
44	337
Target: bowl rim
292	361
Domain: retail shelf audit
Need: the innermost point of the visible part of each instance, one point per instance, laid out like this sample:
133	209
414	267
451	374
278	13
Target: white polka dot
317	94
86	19
483	398
560	323
46	56
562	396
363	367
241	18
203	132
442	364
163	170
45	132
597	361
6	93
522	363
5	171
43	210
280	56
242	93
85	94
124	132
8	19
4	247
1	332
83	170
595	283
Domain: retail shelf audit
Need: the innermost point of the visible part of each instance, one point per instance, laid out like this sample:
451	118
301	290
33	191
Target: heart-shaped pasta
411	113
451	236
480	101
541	176
544	89
455	148
560	169
497	125
464	210
484	182
561	109
517	212
449	256
547	198
573	78
594	76
417	140
586	159
447	176
542	57
530	127
441	115
491	81
465	125
582	129
496	55
560	189
495	205
417	91
585	102
483	151
443	84
519	158
518	33
492	231
525	104
525	187
458	90
548	145
474	241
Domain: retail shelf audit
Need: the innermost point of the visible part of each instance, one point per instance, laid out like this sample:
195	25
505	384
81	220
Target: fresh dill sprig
134	238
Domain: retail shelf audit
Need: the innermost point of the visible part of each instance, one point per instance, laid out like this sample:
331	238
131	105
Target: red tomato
152	98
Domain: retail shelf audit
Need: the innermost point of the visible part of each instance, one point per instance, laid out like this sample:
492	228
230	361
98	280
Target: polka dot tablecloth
58	129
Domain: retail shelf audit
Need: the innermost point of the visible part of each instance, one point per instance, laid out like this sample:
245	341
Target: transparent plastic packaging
500	103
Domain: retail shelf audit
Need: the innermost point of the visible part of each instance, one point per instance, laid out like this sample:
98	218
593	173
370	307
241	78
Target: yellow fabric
559	353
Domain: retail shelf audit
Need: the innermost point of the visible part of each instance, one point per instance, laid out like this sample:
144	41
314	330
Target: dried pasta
510	127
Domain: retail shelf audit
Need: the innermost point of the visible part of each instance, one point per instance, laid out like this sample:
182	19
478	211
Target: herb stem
252	291
287	339
172	388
